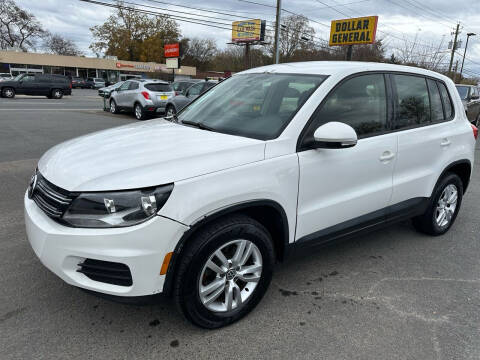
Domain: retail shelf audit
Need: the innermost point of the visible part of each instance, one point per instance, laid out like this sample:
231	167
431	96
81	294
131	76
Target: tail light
177	93
146	95
70	85
475	131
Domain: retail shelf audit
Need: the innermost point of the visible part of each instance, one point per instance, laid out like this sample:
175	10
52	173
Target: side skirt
363	224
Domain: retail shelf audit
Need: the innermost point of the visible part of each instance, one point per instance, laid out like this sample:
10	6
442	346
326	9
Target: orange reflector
166	261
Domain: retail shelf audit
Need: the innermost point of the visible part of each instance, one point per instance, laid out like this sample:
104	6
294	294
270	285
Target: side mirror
335	135
474	97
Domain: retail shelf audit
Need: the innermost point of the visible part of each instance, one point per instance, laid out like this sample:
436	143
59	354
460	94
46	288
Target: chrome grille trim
51	199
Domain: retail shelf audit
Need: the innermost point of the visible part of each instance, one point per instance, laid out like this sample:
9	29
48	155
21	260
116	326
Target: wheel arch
269	213
462	168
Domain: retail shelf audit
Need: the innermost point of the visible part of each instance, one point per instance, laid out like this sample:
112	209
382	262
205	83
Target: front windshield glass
259	106
462	91
18	77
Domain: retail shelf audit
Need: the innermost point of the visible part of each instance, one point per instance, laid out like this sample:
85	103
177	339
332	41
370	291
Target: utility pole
454	46
465	52
455	71
277	31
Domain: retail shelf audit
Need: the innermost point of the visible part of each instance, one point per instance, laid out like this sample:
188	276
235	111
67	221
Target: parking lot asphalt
391	294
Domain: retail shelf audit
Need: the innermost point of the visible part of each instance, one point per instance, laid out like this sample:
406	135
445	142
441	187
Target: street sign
172	63
172	50
248	31
353	31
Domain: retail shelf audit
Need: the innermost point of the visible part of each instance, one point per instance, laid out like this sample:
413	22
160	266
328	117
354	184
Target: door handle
386	156
445	142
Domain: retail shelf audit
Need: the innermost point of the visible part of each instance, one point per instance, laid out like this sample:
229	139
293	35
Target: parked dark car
470	96
78	82
178	102
182	85
52	86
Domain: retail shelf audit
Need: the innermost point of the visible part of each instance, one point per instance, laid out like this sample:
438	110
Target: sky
401	22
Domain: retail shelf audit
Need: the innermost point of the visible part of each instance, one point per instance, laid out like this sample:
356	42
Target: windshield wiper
199	125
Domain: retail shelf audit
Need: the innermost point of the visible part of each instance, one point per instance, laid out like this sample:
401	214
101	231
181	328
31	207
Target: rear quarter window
447	102
158	87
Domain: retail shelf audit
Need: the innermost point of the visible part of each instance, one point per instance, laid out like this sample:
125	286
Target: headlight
117	208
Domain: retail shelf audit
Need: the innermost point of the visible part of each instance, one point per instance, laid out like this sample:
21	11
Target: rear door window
447	102
412	102
158	87
125	85
436	101
133	85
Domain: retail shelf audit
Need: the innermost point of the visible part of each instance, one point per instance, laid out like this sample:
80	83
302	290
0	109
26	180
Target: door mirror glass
334	135
474	97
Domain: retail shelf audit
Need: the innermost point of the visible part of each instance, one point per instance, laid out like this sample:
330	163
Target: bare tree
59	45
198	52
18	28
296	34
428	56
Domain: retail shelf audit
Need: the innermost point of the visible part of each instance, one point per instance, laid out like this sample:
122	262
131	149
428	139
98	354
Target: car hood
144	154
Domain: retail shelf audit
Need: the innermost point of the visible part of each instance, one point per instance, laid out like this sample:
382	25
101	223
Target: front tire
8	93
170	111
113	107
444	206
224	271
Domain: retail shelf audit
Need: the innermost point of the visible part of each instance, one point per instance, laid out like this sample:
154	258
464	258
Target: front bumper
141	247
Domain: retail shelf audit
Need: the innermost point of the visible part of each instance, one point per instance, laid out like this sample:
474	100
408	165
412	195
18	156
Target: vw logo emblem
231	274
32	185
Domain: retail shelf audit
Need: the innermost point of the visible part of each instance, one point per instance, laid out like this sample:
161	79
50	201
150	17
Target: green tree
133	35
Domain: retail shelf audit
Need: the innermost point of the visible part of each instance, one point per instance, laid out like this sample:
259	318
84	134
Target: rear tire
444	206
8	93
56	94
244	278
139	112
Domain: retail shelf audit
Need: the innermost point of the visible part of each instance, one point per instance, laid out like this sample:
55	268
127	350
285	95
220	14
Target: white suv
272	160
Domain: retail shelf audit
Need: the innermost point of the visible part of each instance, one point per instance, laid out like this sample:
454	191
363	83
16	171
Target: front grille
106	272
53	200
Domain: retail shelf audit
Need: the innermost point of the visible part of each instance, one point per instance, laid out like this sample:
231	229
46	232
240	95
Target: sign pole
277	31
349	52
247	56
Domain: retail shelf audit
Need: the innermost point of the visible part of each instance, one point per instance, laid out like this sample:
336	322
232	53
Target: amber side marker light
166	261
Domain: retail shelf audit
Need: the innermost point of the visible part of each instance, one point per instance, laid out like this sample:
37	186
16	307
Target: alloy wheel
112	107
446	205
230	276
8	93
138	112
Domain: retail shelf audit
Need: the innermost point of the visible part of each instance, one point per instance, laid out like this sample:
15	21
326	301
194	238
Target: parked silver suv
143	97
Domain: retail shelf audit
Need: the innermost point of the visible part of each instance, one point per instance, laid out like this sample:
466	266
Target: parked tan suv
470	95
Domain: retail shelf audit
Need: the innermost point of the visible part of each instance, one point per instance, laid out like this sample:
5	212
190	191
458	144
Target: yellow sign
353	31
248	30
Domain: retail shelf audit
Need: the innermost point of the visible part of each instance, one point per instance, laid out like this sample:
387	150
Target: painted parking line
32	102
22	109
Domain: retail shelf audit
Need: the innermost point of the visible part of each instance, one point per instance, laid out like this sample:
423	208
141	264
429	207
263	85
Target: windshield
18	77
259	106
462	91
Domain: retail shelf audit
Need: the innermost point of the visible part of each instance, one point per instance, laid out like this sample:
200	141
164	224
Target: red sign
119	65
172	50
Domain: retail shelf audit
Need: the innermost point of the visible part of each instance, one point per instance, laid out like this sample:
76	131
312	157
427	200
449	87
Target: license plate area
162	97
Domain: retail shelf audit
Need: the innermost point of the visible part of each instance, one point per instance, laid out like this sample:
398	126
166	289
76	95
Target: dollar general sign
353	31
